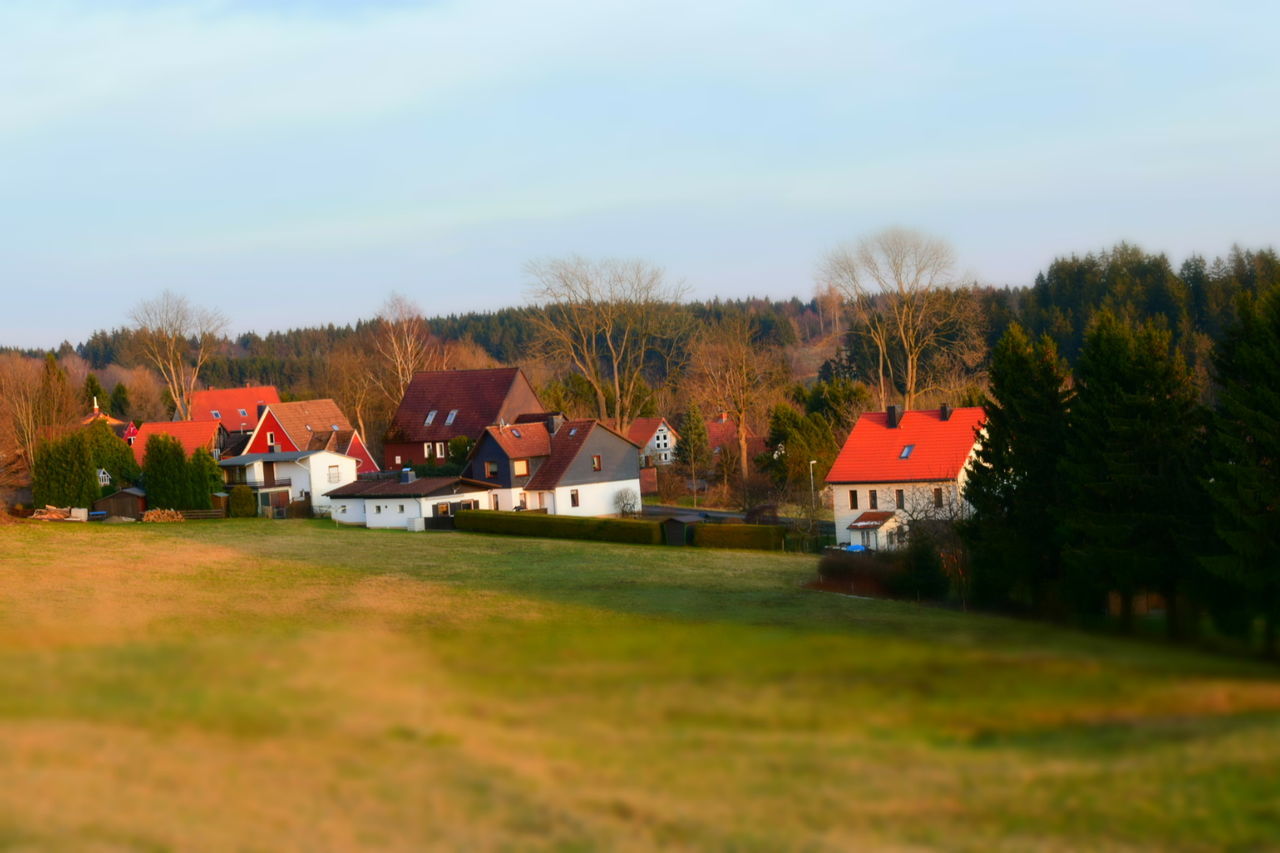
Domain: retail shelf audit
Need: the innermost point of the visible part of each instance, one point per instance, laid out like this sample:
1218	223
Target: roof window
431	416
452	414
573	430
906	451
217	415
243	413
516	433
335	427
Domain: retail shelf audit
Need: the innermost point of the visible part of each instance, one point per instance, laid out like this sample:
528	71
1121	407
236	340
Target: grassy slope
266	685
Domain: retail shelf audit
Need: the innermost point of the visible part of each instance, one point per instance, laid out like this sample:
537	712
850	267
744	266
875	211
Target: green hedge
561	526
760	537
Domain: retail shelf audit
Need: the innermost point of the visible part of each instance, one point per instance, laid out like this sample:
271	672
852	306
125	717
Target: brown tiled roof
477	395
870	520
228	402
565	445
642	429
722	431
523	440
307	421
389	487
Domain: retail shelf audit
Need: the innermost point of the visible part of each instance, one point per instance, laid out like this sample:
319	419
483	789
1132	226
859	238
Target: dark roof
870	520
282	456
477	395
565	445
388	487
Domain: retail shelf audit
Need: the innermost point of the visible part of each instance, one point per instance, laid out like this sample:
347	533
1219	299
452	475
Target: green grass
257	685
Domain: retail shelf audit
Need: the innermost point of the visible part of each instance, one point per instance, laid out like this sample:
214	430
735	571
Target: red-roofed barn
897	467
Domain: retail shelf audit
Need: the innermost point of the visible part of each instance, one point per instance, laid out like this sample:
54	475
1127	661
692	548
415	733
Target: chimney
407	475
262	407
555	420
893	417
96	411
944	412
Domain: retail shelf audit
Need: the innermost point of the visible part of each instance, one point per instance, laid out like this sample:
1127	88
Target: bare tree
352	383
177	338
730	372
608	320
404	345
898	283
37	402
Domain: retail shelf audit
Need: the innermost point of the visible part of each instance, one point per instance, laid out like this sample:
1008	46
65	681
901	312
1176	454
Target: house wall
391	513
918	500
618	461
347	510
318	481
661	449
489	451
364	459
269	424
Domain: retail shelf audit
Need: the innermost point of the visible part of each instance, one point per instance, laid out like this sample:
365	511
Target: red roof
192	435
870	520
565	445
874	453
229	402
642	429
522	441
477	397
723	432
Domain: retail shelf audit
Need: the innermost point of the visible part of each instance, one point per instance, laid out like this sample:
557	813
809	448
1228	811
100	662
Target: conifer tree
111	454
119	406
93	392
164	470
1245	483
204	477
693	450
64	474
1014	487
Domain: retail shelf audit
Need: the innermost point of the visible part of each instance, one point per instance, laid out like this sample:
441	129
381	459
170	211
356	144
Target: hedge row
561	526
759	537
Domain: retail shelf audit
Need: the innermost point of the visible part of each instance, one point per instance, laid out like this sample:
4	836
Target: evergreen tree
64	474
1014	487
1133	491
111	454
204	477
164	470
93	393
693	450
1245	484
119	405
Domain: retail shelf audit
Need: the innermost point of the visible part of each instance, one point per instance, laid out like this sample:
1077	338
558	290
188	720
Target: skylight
906	451
335	427
516	433
573	430
217	415
243	413
452	414
431	416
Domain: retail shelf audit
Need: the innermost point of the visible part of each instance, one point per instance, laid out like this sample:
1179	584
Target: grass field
249	685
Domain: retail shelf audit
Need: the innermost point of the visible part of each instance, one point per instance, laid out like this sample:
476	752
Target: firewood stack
162	515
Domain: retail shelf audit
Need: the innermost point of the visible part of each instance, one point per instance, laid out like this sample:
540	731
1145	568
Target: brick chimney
944	412
893	417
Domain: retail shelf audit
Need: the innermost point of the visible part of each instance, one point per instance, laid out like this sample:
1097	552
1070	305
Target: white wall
593	498
918	500
315	472
391	513
661	444
347	510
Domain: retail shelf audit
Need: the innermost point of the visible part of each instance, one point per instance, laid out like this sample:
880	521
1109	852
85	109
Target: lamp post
813	497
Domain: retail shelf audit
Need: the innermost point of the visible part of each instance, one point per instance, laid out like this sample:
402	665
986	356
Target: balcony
273	483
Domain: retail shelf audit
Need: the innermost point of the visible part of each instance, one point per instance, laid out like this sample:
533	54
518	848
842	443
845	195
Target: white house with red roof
656	439
898	467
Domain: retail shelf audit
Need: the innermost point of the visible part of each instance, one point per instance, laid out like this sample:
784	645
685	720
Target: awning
870	520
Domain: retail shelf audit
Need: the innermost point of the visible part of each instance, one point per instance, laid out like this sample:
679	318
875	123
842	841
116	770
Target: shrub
561	527
299	509
922	576
627	502
243	504
759	537
63	473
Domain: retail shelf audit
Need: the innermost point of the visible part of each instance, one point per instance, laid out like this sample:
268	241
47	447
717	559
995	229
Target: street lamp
813	496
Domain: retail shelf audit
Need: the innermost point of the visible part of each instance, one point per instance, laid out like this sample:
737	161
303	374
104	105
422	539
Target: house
656	439
395	501
722	437
192	435
237	409
117	426
899	467
280	478
440	405
308	425
566	467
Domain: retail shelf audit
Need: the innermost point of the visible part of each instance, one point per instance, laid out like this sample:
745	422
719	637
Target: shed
127	503
677	529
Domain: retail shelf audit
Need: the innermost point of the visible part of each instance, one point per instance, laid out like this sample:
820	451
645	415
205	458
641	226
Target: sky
293	162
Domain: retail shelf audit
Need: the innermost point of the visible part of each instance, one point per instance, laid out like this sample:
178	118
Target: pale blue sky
293	162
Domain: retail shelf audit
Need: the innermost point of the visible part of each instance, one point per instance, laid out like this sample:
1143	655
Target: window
595	463
243	413
440	450
333	427
573	497
401	508
937	498
271	438
453	413
853	499
431	416
906	451
397	460
342	509
873	499
333	473
490	470
493	502
520	467
866	538
377	509
900	499
217	415
515	432
573	431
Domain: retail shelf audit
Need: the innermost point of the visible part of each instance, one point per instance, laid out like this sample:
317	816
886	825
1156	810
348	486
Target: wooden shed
127	503
678	529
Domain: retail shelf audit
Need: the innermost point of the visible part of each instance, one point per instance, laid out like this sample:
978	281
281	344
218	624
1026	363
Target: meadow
256	685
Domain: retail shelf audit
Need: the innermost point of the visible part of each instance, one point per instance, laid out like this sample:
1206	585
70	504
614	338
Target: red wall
364	462
270	424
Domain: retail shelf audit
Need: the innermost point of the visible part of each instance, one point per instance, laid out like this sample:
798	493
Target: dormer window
906	451
431	416
452	414
217	415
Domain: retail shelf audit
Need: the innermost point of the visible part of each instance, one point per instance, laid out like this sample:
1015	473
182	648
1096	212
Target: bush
627	502
561	526
922	576
758	537
242	502
299	509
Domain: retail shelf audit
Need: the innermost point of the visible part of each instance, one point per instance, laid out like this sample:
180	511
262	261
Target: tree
164	471
899	285
64	474
119	403
404	345
611	321
731	371
1245	484
242	502
1014	485
177	338
204	477
693	450
459	449
1133	499
93	393
352	380
111	454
